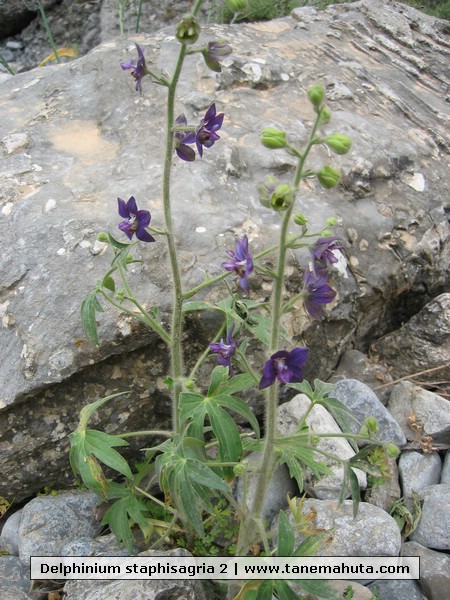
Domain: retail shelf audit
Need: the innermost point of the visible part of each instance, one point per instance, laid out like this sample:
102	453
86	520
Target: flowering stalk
265	474
177	317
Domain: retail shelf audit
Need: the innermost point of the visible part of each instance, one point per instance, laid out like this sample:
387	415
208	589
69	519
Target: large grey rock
410	404
320	421
417	471
14	575
445	475
77	136
356	365
9	537
156	589
433	530
49	522
434	570
423	343
406	589
363	403
372	533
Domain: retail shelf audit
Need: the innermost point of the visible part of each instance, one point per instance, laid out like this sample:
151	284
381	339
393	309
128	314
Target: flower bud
103	237
325	115
331	222
316	95
239	469
300	219
338	143
266	189
392	450
328	177
282	198
326	233
188	30
315	439
237	6
273	138
216	51
372	424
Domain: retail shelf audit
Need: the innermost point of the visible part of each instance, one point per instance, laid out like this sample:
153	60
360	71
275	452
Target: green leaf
218	377
89	307
284	591
311	544
319	587
238	406
286	537
101	445
108	283
227	434
189	402
204	476
355	491
117	518
116	244
88	410
121	257
185	499
238	383
265	590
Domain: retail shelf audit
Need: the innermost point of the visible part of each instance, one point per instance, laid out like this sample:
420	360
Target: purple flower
182	138
206	132
135	220
316	292
225	350
322	252
284	366
139	68
241	262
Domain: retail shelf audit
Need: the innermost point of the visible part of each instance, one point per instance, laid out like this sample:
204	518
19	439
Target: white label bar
203	567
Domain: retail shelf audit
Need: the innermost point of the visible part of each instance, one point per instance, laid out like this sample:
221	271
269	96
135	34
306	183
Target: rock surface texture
75	137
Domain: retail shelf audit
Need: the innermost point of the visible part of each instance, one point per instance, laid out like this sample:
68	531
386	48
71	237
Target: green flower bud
315	439
338	143
326	233
273	138
316	95
392	450
300	219
239	469
282	197
188	30
325	115
331	222
266	189
237	6
328	177
103	237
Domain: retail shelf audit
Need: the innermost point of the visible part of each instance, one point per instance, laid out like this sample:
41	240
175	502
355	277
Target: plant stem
177	307
246	532
48	31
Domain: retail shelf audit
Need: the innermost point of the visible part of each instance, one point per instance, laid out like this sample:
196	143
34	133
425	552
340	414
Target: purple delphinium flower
139	68
284	366
135	220
241	262
225	350
322	252
316	292
182	138
206	132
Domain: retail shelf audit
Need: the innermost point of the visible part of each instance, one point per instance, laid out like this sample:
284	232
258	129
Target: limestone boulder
74	137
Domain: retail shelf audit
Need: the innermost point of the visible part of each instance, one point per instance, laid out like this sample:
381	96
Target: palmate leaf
227	434
119	515
101	445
